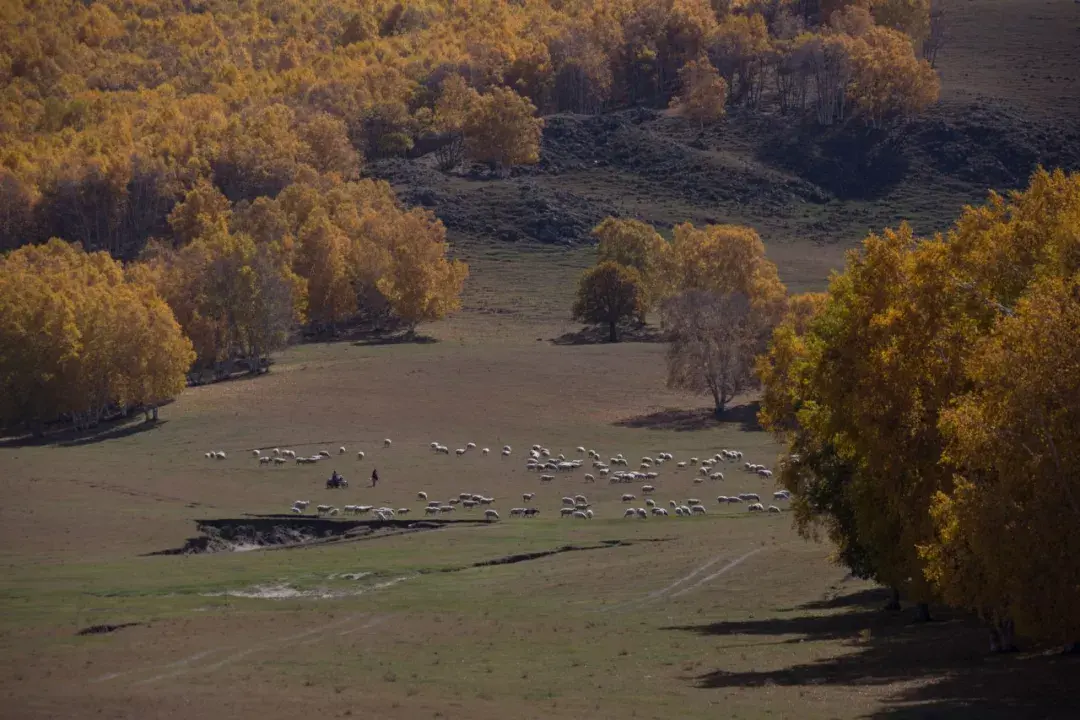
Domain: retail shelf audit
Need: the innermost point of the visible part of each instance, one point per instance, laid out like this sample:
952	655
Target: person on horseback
335	479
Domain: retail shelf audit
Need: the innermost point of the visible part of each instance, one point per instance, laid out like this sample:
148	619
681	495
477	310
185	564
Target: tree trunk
612	334
894	602
922	613
1002	636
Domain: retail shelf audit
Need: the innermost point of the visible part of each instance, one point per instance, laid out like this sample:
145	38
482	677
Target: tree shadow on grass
683	420
109	430
597	335
405	338
943	668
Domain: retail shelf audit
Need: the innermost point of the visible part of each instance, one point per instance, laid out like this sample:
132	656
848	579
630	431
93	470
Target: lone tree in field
609	294
714	340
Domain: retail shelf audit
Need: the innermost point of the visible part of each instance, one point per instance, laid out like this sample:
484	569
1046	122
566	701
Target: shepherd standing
374	478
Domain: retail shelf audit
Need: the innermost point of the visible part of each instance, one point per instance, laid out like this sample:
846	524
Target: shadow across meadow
943	667
684	420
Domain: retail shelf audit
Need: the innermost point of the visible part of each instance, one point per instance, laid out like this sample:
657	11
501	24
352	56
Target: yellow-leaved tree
636	244
609	294
502	129
702	92
79	339
888	361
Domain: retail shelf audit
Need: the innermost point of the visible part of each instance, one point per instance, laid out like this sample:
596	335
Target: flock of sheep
541	460
277	456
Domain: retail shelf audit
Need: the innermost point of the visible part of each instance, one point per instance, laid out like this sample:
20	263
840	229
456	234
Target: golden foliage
635	244
929	409
501	129
80	339
702	92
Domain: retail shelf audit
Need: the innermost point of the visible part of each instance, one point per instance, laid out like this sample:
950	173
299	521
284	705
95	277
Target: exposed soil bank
263	532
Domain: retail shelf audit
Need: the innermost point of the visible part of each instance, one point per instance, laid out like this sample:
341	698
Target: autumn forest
183	190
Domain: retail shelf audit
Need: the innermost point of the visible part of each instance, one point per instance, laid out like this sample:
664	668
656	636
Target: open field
728	615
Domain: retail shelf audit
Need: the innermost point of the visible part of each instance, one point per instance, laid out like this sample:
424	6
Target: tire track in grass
731	565
659	594
185	666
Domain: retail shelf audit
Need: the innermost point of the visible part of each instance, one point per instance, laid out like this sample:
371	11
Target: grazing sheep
580	514
604	471
698	481
341	450
446	508
545	452
505	453
774	509
454	501
528	496
431	510
443	449
470	446
651	475
756	507
546	478
334	511
491	515
324	453
589	513
693	501
323	509
628	498
386	443
721	499
210	455
673	504
256	453
360	455
649	502
279	461
781	495
296	511
589	477
469	504
517	512
750	496
266	460
659	511
275	452
302	504
484	500
403	511
685	510
421	495
716	476
697	509
220	455
566	512
568	501
289	453
460	451
681	464
630	512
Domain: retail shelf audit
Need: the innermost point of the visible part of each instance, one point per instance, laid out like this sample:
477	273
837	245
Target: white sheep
566	512
673	504
431	510
628	497
279	461
470	446
647	489
421	495
630	512
386	443
528	496
341	450
580	449
659	511
604	471
460	451
649	502
680	464
716	476
547	478
403	511
302	504
697	509
774	509
275	452
266	460
220	454
693	501
568	501
296	511
491	515
580	514
642	514
756	507
589	513
505	453
256	453
289	453
324	453
322	509
545	452
781	495
685	510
